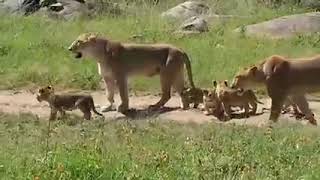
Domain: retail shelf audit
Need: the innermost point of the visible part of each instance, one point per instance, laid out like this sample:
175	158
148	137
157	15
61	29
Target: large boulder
63	9
284	27
24	7
314	4
186	10
195	23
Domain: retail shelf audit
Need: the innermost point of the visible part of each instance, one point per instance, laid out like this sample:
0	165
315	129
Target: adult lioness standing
284	77
118	60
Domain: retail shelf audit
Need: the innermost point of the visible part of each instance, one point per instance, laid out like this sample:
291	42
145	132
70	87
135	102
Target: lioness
118	60
235	97
283	77
193	95
67	102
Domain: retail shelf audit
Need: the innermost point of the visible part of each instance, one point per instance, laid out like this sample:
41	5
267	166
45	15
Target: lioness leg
254	107
227	111
166	83
276	104
123	91
53	114
168	75
246	110
110	88
179	86
303	105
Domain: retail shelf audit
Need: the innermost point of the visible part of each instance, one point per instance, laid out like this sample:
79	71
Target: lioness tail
189	70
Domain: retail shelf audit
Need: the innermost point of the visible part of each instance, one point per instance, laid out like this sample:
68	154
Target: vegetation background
33	51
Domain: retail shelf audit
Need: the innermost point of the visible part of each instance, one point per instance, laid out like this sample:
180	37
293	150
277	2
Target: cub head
247	78
84	45
44	93
210	96
192	93
220	84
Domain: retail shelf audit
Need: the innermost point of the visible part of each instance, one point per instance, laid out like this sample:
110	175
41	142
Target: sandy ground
25	102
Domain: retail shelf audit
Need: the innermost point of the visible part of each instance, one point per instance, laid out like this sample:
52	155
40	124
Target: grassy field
154	149
33	50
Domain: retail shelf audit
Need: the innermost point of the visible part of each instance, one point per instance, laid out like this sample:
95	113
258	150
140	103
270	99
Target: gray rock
64	10
186	10
24	7
56	7
11	5
195	23
284	27
314	4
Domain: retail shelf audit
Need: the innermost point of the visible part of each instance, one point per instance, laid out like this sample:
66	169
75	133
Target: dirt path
24	102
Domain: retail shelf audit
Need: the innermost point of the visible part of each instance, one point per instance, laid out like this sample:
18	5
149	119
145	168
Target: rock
56	7
314	4
186	10
47	3
104	7
11	5
195	23
284	27
64	9
30	6
25	7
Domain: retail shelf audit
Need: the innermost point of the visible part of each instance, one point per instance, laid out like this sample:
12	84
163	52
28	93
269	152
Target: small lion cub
193	95
66	102
235	97
211	104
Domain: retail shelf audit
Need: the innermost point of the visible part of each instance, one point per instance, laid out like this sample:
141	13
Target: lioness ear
214	82
205	92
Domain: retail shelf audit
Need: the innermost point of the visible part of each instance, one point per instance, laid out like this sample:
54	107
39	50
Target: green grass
154	149
33	49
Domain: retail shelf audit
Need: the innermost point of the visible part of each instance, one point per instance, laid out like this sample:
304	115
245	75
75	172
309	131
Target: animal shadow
135	114
242	115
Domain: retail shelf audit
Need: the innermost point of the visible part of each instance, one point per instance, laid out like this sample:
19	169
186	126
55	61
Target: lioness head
44	93
84	45
247	78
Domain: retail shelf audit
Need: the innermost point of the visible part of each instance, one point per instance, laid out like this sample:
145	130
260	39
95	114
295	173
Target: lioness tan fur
282	77
235	97
117	61
66	102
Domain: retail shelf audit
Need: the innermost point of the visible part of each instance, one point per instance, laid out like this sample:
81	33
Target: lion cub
193	95
211	104
66	102
235	97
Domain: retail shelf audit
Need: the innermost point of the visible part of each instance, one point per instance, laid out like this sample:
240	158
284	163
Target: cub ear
226	83
50	88
253	70
214	82
205	92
